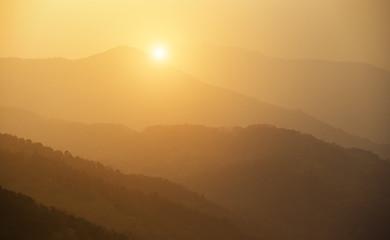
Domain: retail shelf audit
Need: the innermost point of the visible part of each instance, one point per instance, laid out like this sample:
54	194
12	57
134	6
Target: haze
342	30
189	120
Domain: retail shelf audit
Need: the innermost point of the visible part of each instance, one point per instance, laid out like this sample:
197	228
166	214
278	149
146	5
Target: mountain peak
119	52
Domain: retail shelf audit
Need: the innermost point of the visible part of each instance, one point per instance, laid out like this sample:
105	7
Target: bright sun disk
159	54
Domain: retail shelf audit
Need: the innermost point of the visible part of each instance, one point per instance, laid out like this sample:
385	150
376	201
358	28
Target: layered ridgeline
289	185
23	219
281	183
352	96
147	152
140	207
123	85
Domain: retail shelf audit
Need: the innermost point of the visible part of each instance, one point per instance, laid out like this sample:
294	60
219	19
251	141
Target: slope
297	187
23	219
123	85
123	148
106	197
282	184
352	96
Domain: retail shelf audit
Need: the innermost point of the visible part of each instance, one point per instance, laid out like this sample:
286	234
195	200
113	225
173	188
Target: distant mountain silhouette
124	86
352	96
112	144
23	219
130	204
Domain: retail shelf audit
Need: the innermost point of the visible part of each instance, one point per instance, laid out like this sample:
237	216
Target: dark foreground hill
22	218
107	197
283	184
123	85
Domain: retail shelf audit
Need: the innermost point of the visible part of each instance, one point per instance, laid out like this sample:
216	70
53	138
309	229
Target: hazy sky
356	30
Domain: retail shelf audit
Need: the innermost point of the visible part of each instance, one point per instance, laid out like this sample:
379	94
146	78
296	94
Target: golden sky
353	30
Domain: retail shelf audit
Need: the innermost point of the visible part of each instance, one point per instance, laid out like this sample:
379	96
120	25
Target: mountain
123	85
23	218
132	151
106	197
279	183
351	96
289	185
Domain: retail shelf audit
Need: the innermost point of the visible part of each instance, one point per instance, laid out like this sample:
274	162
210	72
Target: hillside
288	185
351	96
123	85
107	197
281	184
23	219
153	151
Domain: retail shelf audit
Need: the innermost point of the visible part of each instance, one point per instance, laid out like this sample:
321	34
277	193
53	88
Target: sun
160	54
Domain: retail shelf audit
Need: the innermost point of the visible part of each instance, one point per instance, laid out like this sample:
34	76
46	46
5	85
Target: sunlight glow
159	54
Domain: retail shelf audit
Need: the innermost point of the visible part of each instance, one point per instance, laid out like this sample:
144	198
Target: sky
337	30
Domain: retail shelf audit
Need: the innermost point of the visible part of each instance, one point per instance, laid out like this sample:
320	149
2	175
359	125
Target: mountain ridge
107	197
58	133
139	92
352	96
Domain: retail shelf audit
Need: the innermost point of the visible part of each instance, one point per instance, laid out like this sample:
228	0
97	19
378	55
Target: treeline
281	184
81	188
21	218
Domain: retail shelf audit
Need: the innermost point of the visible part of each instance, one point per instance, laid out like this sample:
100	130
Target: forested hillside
270	178
103	196
21	218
